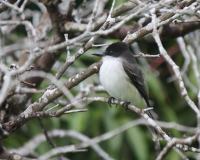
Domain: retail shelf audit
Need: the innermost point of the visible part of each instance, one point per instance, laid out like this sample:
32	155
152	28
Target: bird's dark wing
137	78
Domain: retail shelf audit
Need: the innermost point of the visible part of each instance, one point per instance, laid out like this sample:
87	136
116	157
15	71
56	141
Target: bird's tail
154	133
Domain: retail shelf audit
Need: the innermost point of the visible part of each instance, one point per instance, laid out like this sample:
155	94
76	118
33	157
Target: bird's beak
100	54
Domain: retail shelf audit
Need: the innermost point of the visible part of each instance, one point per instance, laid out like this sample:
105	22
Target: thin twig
45	133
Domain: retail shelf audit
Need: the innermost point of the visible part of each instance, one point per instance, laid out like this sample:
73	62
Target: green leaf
137	141
78	122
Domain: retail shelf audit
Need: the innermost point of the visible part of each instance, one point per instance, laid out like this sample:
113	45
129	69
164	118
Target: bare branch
174	66
174	141
33	143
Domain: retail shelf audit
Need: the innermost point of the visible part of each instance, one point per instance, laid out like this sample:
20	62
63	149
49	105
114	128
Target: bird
123	79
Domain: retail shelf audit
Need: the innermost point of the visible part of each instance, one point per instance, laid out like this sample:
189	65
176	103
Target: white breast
117	83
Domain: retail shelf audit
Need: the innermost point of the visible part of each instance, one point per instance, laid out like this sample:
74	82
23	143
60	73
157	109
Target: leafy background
132	144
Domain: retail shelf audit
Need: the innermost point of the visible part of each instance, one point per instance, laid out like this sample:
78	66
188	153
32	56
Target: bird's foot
110	101
126	105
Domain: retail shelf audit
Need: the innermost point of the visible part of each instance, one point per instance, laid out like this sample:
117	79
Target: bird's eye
111	52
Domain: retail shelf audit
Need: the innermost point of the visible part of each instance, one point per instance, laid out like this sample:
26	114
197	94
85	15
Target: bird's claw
126	104
110	101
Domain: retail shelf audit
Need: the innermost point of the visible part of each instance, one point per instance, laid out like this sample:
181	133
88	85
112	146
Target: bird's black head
115	50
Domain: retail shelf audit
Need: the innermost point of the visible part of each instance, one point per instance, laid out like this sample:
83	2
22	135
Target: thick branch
48	97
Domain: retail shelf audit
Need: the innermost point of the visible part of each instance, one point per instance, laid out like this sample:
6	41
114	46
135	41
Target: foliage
165	96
